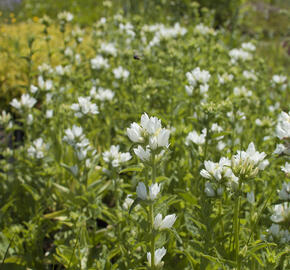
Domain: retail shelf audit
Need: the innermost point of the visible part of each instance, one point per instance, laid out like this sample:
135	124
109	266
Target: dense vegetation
135	143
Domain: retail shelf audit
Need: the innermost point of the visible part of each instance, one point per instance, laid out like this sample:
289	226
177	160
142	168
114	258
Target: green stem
153	169
221	220
151	217
236	230
152	245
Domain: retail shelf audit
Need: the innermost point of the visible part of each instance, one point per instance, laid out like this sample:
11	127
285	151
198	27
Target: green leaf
55	214
132	169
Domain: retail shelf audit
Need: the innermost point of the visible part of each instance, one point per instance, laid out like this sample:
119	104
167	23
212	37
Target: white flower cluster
158	255
286	168
45	69
99	62
197	77
242	91
108	48
279	81
161	32
284	193
219	173
194	137
149	133
248	46
225	78
102	94
79	142
250	75
283	133
78	34
204	30
65	17
26	102
240	54
37	149
246	164
84	107
45	85
142	193
63	70
277	234
121	73
281	213
128	28
115	157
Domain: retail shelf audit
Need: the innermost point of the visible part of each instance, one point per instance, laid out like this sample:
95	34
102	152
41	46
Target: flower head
158	255
166	223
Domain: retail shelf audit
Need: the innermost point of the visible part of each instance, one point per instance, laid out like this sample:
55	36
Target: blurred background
266	21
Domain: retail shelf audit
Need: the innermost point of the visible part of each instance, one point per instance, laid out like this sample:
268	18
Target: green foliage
63	197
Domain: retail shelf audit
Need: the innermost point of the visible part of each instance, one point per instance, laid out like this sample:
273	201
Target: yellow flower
35	19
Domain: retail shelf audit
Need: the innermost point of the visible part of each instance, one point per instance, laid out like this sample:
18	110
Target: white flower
37	148
158	255
153	191
26	101
33	89
195	138
108	48
203	88
248	163
44	85
102	94
135	133
254	156
99	62
151	125
251	197
250	75
225	78
121	73
217	171
65	16
280	148
204	30
189	89
279	79
68	52
45	68
84	106
216	128
160	140
115	157
166	223
249	46
239	54
198	75
284	193
208	189
242	91
281	213
221	145
144	155
128	202
286	168
73	134
283	236
29	119
49	114
141	191
283	126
